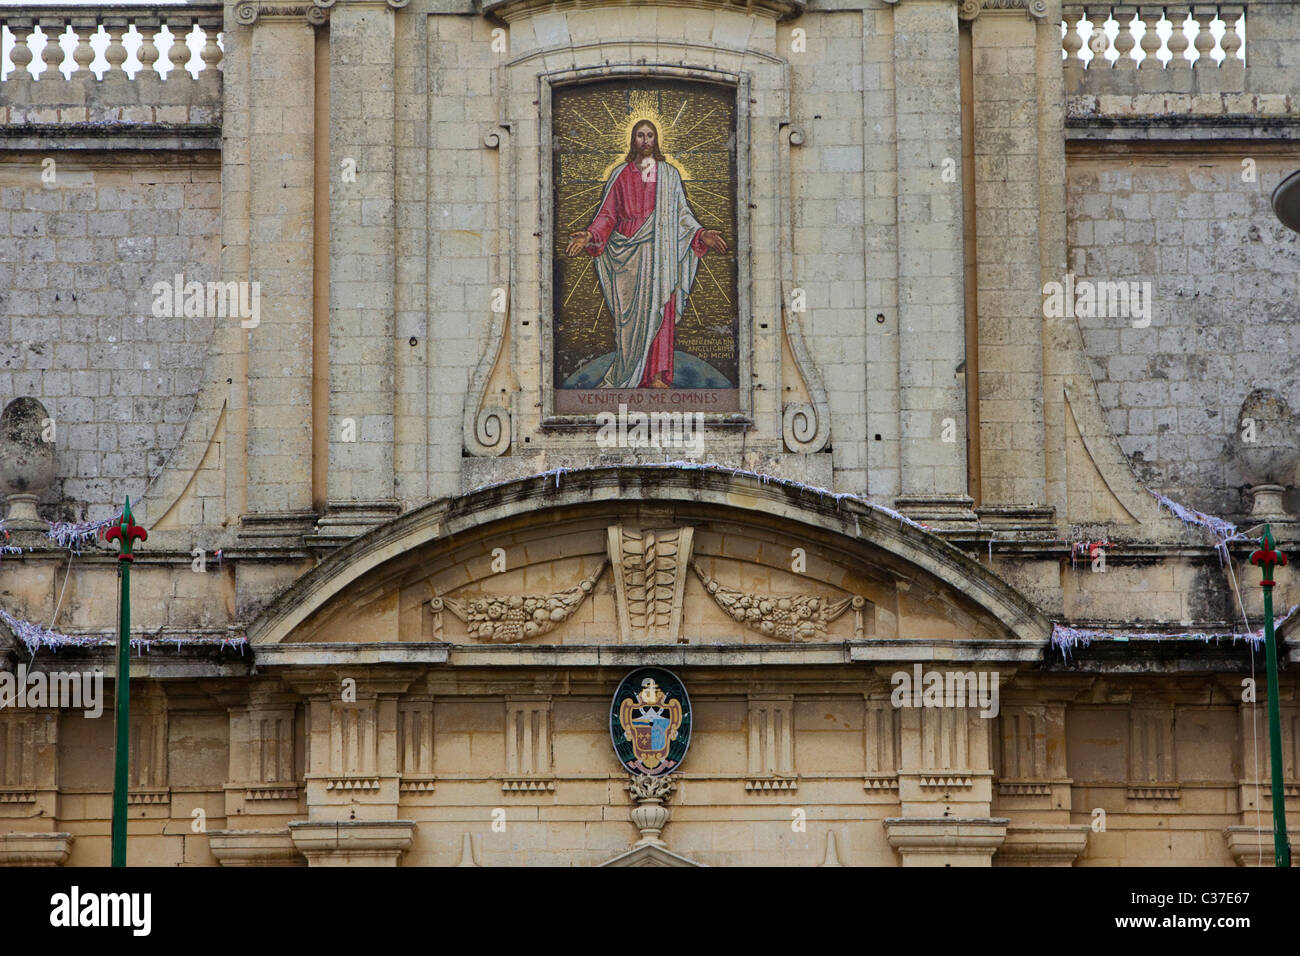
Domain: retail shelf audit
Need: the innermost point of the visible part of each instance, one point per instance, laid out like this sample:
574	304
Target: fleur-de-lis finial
1267	558
125	532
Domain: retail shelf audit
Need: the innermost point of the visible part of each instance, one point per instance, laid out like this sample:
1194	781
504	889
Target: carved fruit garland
506	619
799	617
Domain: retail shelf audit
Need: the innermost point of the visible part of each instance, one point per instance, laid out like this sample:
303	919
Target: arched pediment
648	555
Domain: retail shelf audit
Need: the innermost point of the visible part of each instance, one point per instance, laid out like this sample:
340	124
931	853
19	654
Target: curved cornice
855	519
509	10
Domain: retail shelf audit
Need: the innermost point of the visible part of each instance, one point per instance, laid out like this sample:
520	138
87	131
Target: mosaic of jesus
645	290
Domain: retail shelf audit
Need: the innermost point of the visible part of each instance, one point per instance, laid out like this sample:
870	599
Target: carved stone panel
796	617
649	581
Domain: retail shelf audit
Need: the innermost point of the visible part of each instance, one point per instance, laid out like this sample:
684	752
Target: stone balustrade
1099	37
1160	60
104	68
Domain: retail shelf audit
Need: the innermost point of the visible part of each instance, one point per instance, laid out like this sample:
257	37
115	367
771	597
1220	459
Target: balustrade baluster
1178	42
1231	14
1072	43
84	54
1098	42
21	28
1124	40
211	53
1151	15
1204	15
115	53
147	54
52	55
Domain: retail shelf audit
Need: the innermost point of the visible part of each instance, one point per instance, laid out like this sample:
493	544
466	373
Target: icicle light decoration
74	534
1223	531
1067	638
36	637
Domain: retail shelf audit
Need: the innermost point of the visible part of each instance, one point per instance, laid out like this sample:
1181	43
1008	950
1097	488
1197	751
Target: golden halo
661	125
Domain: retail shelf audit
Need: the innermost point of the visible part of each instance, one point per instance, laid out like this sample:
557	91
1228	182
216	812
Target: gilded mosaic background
592	128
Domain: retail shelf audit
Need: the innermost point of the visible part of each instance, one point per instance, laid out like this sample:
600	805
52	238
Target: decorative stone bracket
650	815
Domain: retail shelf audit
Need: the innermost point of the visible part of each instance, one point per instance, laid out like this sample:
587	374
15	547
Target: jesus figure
647	245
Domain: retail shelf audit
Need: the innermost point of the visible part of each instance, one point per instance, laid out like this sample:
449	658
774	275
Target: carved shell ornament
799	617
506	619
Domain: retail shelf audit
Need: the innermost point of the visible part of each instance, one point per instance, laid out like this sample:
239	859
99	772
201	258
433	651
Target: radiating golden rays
592	129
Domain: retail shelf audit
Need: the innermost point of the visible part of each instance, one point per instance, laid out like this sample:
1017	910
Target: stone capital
970	9
249	12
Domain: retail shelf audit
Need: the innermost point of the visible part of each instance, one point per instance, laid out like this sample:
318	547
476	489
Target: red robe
626	208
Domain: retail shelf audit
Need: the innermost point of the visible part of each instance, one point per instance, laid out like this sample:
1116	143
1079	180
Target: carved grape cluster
797	618
506	619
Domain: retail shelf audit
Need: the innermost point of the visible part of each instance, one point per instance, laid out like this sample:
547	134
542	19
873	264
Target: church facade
576	432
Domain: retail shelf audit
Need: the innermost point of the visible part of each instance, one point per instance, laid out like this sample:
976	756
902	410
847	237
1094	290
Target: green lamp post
1267	559
125	533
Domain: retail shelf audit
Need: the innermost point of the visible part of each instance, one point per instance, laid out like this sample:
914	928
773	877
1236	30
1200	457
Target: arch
854	526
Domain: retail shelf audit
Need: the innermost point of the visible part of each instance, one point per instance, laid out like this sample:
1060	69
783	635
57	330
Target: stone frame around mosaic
740	83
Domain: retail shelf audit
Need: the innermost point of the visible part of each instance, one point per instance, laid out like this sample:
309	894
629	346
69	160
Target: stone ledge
35	849
37	137
254	848
946	841
1182	128
1043	845
306	655
1253	847
352	842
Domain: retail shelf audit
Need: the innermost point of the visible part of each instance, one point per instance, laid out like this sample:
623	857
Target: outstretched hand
578	241
713	240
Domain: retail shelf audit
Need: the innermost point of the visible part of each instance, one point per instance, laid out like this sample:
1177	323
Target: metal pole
124	533
1267	558
122	716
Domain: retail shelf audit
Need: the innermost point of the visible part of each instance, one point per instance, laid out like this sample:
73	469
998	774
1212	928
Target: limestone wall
79	261
1223	278
109	183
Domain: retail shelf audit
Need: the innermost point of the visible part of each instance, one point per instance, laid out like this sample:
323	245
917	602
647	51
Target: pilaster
362	253
1005	102
281	243
931	265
